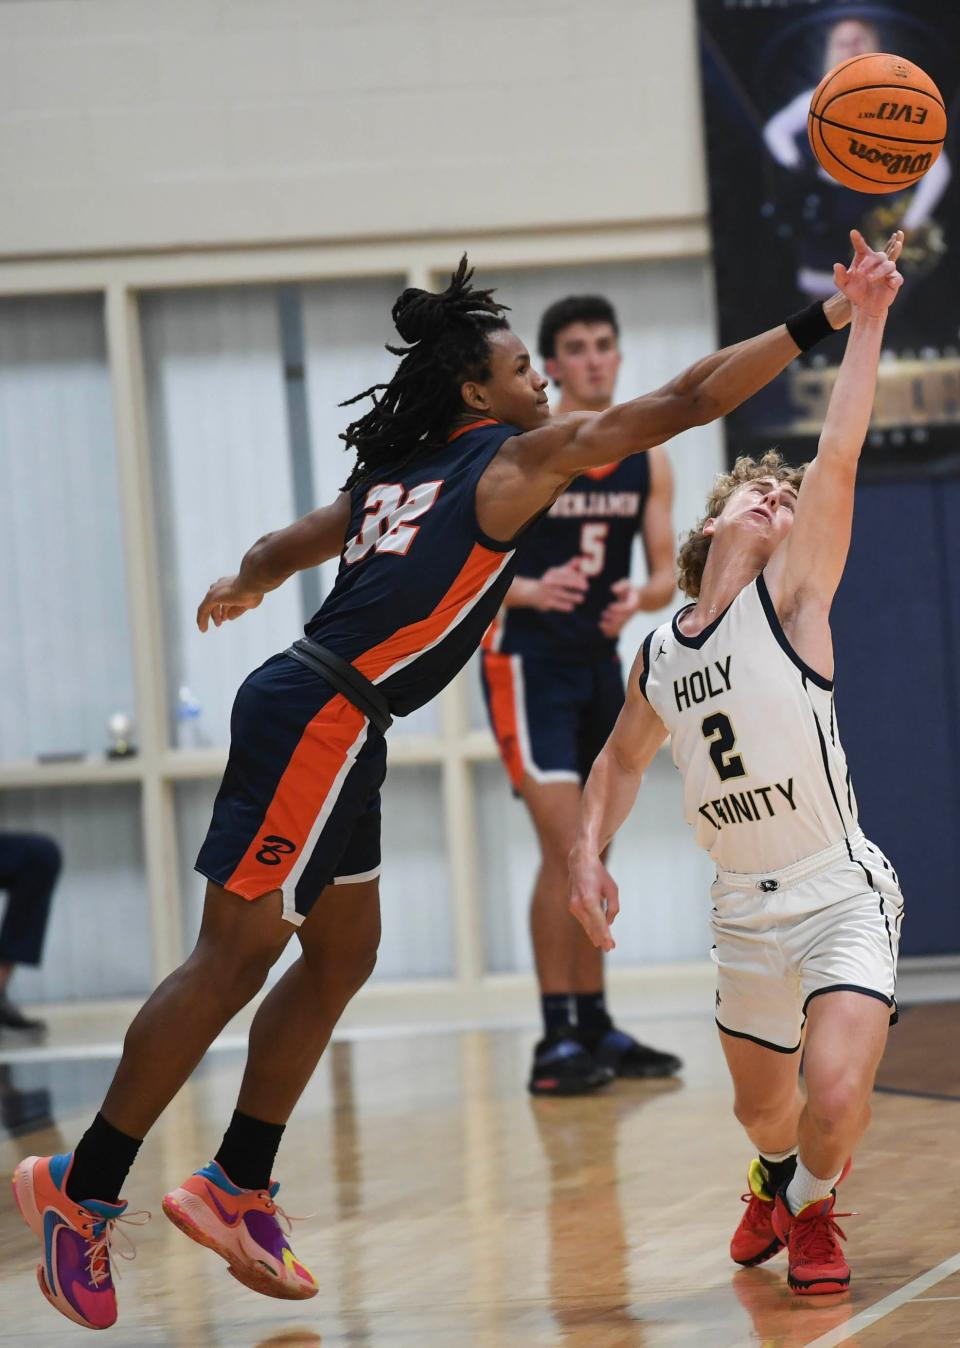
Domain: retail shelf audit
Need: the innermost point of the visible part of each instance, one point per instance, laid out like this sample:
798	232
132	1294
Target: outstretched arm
532	469
273	559
815	552
608	798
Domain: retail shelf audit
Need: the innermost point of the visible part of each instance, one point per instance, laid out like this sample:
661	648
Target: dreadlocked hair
448	343
692	557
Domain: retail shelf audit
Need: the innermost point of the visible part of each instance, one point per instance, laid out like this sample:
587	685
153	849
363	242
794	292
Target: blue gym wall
896	625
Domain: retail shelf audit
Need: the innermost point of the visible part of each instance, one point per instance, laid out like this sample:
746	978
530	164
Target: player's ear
475	396
709	527
550	370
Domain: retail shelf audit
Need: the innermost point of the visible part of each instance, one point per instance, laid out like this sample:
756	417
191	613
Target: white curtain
98	940
65	661
666	323
222	473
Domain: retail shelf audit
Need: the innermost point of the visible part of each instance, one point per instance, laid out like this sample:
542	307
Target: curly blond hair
692	557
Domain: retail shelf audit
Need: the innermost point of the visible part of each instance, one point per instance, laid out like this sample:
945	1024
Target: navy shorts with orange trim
550	718
299	805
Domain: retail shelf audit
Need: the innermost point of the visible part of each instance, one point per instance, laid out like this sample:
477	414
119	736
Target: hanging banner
779	222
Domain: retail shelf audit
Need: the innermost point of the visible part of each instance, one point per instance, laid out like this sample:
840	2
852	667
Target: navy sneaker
562	1066
625	1056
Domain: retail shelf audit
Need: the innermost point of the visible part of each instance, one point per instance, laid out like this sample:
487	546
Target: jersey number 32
386	524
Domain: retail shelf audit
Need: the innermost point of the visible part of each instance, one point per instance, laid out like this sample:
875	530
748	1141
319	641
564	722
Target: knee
342	972
361	970
758	1114
837	1105
357	964
235	975
555	854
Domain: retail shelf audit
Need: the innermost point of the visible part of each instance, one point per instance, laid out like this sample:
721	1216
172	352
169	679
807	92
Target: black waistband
354	686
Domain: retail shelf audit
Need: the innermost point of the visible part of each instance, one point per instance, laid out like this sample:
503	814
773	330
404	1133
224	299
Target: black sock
779	1173
248	1150
101	1162
557	1009
592	1017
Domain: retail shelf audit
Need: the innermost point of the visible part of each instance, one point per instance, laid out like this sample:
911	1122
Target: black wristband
809	326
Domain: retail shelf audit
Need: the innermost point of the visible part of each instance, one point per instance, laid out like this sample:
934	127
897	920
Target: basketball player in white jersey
806	912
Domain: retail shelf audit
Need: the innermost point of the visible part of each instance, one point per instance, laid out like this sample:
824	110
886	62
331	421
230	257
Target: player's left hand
226	600
628	600
871	281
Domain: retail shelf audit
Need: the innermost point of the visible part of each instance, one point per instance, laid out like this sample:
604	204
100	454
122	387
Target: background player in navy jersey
456	457
554	687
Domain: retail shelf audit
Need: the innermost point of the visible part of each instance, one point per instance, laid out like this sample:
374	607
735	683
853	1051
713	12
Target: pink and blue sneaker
75	1240
244	1227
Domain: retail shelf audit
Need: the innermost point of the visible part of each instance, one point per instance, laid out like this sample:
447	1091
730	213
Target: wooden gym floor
446	1209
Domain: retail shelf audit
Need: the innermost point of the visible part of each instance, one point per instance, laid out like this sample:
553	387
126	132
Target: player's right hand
871	281
562	588
226	600
594	898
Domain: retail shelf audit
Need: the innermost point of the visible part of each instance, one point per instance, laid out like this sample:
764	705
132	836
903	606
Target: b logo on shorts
768	886
273	848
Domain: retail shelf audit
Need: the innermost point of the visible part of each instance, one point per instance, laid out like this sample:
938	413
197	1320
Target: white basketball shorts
830	922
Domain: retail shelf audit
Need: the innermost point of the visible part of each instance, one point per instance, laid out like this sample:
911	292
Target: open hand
226	600
871	281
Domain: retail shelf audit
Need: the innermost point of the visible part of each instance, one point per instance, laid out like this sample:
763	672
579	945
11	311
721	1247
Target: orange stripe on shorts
302	792
501	685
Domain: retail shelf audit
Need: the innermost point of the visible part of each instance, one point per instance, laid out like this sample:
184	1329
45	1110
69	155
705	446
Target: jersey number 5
386	525
593	548
718	732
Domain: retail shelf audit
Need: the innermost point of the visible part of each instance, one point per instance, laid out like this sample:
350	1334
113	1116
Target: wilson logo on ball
907	165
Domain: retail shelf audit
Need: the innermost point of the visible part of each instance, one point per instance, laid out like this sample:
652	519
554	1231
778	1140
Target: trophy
120	730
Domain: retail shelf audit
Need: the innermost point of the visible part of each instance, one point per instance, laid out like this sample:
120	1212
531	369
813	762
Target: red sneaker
755	1241
817	1265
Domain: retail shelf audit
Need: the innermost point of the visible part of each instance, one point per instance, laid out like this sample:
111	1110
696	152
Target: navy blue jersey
419	581
595	519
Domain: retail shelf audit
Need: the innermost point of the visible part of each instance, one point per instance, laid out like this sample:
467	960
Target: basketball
877	123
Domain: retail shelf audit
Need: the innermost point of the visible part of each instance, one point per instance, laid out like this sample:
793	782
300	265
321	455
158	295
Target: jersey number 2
386	525
718	732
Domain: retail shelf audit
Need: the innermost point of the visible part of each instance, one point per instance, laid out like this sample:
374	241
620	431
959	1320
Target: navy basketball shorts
550	718
299	805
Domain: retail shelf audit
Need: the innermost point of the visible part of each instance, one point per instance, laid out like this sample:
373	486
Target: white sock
806	1187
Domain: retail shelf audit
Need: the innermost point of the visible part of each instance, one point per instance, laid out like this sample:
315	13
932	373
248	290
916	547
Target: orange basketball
876	123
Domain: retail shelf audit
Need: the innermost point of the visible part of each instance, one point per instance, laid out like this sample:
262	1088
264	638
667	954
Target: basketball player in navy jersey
806	912
456	457
554	687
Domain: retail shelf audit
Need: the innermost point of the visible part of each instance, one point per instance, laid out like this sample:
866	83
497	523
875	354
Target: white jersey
754	736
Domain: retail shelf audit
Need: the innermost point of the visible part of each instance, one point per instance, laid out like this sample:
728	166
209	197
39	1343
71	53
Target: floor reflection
581	1149
24	1108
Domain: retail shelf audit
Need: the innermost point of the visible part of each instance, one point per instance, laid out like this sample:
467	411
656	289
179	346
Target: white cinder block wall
130	124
